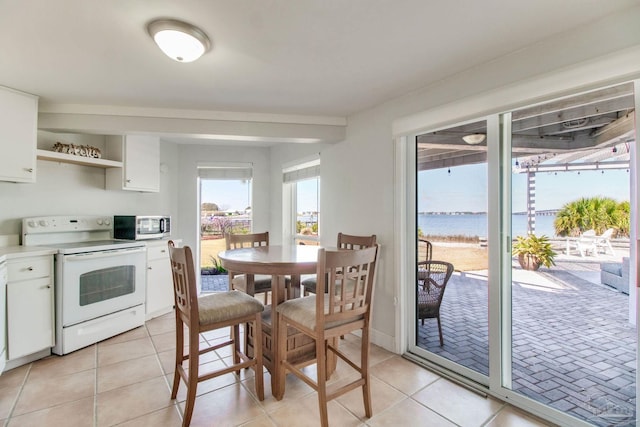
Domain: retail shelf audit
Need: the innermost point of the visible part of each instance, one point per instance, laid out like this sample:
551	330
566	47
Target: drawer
29	268
158	252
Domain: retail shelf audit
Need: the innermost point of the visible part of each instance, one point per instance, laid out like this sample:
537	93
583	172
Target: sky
465	188
236	195
227	194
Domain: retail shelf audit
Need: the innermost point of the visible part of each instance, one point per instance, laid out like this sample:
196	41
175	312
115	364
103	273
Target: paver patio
573	346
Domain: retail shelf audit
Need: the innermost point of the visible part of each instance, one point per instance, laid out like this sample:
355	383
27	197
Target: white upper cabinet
18	135
140	155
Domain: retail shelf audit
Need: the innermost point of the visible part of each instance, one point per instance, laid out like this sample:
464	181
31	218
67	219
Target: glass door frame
434	360
499	276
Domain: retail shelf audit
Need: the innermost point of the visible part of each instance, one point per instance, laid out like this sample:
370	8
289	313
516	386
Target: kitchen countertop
14	252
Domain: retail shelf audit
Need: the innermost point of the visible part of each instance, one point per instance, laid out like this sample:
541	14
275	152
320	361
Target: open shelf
77	160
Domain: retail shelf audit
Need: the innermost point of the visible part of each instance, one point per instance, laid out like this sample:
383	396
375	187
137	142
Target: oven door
95	284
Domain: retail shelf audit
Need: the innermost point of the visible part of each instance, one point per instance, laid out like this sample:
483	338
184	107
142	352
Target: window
302	192
225	207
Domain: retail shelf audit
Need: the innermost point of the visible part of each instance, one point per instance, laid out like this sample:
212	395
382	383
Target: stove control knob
44	223
99	221
107	221
32	224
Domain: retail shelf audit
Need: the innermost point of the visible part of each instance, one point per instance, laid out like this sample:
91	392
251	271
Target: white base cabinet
30	306
160	299
140	155
18	135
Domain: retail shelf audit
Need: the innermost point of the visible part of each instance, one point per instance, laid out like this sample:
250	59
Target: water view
475	224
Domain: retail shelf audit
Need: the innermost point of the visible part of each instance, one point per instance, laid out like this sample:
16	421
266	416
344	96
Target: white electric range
99	281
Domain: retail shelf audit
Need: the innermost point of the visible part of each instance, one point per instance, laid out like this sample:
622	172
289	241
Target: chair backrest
431	290
588	237
349	277
348	241
184	282
607	234
237	241
428	248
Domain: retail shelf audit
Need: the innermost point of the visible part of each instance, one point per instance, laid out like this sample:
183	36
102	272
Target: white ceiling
309	57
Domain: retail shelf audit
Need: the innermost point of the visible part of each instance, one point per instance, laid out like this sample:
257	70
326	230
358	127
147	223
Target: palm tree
597	213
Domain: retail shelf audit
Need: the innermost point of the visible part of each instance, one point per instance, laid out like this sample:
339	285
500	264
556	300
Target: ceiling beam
453	161
565	167
576	113
619	91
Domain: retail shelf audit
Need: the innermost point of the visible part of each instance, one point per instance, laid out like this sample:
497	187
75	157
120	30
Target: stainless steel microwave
141	227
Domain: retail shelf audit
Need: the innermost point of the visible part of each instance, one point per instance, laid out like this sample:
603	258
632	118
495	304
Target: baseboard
383	340
14	363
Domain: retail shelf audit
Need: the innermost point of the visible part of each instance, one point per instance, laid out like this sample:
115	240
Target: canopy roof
589	131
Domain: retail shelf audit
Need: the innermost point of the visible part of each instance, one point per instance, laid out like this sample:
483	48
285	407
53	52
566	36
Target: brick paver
573	346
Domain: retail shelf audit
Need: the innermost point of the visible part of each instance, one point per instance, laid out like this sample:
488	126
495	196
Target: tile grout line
494	416
175	403
15	402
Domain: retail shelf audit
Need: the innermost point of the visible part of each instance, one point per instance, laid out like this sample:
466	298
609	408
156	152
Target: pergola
609	158
592	131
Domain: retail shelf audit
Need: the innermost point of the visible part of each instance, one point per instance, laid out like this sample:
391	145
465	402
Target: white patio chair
603	241
587	243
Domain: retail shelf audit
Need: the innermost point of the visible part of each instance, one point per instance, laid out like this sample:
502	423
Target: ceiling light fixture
179	40
474	138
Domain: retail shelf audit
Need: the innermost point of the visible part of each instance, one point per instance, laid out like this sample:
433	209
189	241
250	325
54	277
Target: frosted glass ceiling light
179	40
475	138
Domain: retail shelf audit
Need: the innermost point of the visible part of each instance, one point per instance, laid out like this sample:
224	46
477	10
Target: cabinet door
18	136
29	317
159	287
142	163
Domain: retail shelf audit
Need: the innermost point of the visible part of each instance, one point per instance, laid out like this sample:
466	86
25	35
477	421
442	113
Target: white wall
357	174
66	189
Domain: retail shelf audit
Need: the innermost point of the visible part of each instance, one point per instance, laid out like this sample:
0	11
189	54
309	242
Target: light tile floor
126	381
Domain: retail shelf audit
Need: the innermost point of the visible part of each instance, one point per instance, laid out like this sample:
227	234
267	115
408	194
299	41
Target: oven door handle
103	254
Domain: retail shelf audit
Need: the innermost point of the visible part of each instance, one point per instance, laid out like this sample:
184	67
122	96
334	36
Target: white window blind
227	171
301	172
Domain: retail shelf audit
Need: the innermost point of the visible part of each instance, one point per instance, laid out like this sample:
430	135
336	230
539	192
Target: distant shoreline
538	212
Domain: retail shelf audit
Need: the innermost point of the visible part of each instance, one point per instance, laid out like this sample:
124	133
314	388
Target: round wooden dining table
278	261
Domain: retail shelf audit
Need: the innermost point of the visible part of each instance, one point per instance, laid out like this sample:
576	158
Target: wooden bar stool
206	313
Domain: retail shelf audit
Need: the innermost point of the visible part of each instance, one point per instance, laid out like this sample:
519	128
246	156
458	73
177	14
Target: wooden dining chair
249	283
206	313
349	277
345	241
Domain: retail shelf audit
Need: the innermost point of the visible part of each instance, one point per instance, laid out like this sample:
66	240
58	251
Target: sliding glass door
541	308
451	323
573	322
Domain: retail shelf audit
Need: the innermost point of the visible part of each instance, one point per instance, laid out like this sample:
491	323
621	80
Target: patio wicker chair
428	250
432	282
